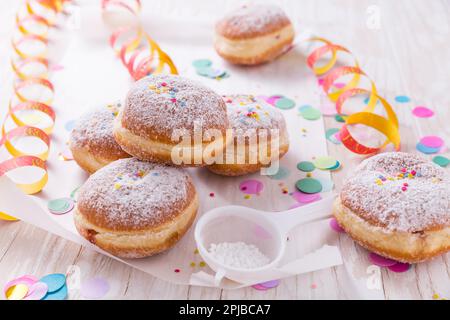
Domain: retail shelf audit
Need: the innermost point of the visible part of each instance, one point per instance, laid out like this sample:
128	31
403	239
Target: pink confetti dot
381	261
305	197
94	288
422	112
335	226
270	284
37	291
251	186
259	287
432	141
400	267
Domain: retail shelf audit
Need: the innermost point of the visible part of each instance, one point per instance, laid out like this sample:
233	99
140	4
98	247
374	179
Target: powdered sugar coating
252	20
94	131
416	202
157	105
129	194
247	112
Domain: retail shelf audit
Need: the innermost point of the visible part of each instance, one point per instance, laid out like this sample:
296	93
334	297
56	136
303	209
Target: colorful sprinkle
427	150
422	112
306	166
432	142
177	270
202	264
309	185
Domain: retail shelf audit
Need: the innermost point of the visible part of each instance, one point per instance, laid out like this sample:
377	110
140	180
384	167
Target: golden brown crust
252	21
410	247
90	160
139	244
234	170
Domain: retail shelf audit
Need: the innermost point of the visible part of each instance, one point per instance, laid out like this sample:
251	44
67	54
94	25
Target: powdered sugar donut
160	110
397	205
257	127
92	141
253	34
135	209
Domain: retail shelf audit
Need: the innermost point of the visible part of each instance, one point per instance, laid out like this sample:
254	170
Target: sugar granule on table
238	255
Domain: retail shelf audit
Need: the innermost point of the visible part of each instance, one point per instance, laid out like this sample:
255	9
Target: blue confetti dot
70	125
60	294
304	107
427	150
54	281
402	99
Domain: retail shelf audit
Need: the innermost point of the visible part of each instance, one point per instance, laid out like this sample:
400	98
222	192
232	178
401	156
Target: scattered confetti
177	270
251	186
441	161
339	118
61	206
25	280
422	112
94	288
381	261
330	134
60	294
285	103
432	142
306	166
37	291
334	224
211	194
402	99
17	292
54	281
302	197
426	150
259	287
204	68
400	267
311	114
325	163
281	174
309	185
202	264
202	63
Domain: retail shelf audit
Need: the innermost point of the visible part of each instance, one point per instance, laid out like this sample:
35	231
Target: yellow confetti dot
247	196
117	186
435	296
309	174
202	264
192	264
152	87
196	251
17	292
304	130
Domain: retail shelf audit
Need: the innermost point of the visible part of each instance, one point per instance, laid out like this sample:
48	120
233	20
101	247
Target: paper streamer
331	72
139	53
32	32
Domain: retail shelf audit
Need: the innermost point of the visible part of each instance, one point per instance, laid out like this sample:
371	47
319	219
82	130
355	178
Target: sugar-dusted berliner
397	205
135	209
166	113
92	141
253	34
255	125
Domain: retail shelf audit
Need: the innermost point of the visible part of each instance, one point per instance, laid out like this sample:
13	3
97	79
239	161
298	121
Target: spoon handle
287	220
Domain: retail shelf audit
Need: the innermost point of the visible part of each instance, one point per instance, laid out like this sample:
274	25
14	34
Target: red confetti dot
403	170
173	100
211	194
405	184
164	84
177	270
413	172
404	188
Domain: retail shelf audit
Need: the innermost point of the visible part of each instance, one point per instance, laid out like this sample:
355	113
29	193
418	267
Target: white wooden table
402	45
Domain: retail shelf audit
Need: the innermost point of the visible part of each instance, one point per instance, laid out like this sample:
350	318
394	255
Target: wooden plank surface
403	46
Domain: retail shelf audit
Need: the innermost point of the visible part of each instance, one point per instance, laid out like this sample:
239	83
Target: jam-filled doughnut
253	34
160	110
135	209
397	205
92	141
249	119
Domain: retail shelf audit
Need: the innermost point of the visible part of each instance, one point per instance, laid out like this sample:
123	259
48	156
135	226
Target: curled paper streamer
331	72
20	102
139	53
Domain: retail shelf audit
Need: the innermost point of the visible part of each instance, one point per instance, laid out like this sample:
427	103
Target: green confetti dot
311	114
306	166
339	118
285	103
309	185
202	63
325	163
329	134
441	161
